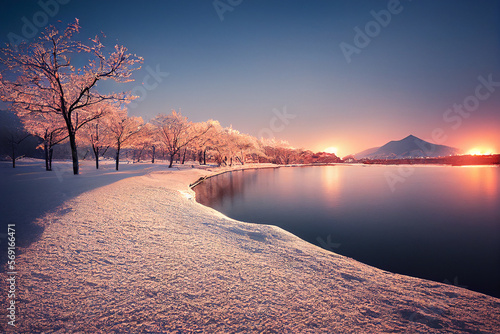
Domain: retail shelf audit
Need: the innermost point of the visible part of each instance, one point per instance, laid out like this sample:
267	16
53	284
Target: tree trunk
117	156
46	151
95	146
51	152
96	158
153	155
204	156
13	154
96	153
172	155
74	152
139	155
184	156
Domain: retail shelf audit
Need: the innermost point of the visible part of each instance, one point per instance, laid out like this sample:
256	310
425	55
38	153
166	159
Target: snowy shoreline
141	255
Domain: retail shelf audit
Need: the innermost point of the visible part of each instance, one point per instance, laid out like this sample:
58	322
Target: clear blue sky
267	55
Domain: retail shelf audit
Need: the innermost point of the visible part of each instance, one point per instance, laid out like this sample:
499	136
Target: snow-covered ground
133	252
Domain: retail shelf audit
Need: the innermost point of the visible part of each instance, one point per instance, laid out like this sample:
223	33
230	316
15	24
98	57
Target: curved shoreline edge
256	166
413	316
272	166
138	255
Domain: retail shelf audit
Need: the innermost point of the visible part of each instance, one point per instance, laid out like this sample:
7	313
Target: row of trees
177	138
168	136
53	97
58	102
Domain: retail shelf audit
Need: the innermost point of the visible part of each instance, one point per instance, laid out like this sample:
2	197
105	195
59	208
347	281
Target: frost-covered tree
42	77
245	144
96	133
145	140
176	132
198	146
47	126
122	131
220	145
279	151
205	143
229	146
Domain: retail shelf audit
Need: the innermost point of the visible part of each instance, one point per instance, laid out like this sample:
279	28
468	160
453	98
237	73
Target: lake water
435	222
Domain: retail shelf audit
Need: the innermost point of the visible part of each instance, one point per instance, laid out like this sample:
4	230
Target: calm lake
435	222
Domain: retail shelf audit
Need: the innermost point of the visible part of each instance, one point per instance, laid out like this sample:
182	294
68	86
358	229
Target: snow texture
140	255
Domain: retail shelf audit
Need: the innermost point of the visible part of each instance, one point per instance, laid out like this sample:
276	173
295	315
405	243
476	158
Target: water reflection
440	223
482	181
226	187
331	183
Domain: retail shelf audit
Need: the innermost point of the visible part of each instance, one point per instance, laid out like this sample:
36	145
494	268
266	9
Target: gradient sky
285	55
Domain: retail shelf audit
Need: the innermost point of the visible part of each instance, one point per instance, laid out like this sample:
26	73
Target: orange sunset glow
480	151
233	166
331	149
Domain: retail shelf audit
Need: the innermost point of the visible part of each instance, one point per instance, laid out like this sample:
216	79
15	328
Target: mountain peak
408	147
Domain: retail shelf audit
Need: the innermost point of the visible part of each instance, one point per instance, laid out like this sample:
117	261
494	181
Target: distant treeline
456	160
168	137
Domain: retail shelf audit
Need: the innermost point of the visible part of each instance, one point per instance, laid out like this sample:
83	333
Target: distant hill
365	153
409	147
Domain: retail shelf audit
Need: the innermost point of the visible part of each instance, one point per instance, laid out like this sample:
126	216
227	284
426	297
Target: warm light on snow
137	254
331	149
